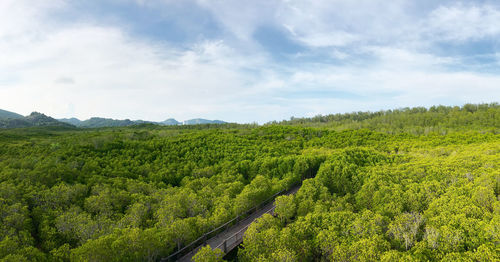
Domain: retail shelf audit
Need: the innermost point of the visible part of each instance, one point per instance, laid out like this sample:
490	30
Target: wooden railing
203	239
233	241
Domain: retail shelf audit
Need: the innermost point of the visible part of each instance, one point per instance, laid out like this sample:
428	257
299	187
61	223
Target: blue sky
244	61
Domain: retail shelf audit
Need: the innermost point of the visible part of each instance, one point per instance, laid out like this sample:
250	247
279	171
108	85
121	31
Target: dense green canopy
140	193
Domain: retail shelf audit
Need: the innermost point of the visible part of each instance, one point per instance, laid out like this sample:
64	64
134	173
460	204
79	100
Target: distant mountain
34	119
198	121
96	122
39	119
14	120
4	114
72	121
100	122
170	122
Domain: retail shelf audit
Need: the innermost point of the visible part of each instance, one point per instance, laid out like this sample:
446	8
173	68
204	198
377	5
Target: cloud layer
244	61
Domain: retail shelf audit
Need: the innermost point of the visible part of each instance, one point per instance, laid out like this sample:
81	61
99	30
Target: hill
73	121
104	122
4	114
170	122
200	121
34	119
96	122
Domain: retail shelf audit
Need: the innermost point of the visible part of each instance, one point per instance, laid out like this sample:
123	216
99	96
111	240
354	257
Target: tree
260	240
285	208
284	255
339	176
207	254
405	228
311	191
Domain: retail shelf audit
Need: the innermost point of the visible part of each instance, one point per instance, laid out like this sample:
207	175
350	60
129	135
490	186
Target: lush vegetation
417	120
140	193
420	202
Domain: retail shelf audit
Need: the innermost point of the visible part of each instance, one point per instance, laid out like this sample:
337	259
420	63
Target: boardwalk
233	236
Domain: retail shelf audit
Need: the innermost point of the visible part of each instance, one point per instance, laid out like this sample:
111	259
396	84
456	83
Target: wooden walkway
230	238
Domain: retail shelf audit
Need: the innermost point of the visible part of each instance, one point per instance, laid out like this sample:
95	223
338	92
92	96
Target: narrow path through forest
233	236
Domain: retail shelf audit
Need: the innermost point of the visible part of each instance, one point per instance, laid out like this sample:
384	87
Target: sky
244	61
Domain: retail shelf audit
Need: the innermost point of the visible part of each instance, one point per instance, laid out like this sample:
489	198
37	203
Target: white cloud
461	22
320	23
396	59
377	89
20	16
89	69
241	18
339	23
118	76
114	75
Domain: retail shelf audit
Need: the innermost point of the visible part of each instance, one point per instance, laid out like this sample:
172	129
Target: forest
416	120
411	184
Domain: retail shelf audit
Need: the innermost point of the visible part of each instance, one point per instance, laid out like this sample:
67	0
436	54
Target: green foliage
206	254
285	208
435	198
140	193
416	120
405	228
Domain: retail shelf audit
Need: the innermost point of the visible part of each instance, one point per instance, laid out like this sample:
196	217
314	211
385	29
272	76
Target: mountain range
13	120
200	121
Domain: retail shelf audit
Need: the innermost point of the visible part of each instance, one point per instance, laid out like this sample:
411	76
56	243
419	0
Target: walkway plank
233	236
